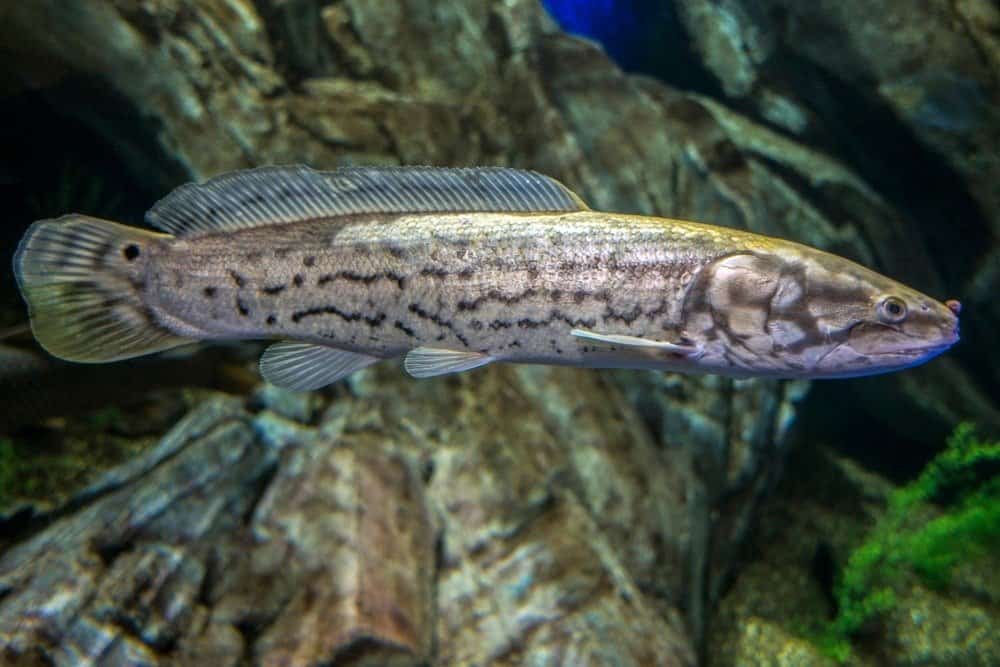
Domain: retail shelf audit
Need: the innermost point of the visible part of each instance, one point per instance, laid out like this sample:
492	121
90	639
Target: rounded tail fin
82	279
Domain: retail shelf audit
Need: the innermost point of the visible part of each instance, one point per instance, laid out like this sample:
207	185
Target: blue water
642	36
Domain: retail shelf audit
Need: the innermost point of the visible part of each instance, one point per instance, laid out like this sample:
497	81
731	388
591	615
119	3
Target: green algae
912	539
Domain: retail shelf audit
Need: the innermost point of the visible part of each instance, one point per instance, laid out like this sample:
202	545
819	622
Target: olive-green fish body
456	269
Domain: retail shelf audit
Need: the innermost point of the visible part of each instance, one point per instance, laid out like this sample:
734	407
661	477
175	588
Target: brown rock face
448	523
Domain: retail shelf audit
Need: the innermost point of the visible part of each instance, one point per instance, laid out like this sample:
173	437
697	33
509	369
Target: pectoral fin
425	362
633	341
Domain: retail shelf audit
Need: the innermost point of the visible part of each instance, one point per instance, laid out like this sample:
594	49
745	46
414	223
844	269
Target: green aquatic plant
963	481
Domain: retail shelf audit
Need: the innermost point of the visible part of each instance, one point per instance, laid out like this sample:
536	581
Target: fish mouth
928	350
918	346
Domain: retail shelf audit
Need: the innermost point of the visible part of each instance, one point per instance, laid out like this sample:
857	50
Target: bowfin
82	280
634	341
426	362
275	195
305	367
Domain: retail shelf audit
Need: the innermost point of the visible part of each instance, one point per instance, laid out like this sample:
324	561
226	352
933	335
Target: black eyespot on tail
131	252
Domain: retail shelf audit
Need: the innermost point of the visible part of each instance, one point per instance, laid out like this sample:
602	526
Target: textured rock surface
448	522
762	643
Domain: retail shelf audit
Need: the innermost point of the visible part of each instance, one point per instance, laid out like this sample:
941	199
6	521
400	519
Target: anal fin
305	367
425	362
635	341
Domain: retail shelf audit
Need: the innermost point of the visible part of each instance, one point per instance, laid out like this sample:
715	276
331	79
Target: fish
453	269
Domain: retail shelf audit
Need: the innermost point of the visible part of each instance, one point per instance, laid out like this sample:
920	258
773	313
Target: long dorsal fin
272	195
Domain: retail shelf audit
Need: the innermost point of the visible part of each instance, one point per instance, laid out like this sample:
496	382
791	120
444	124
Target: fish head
795	311
892	327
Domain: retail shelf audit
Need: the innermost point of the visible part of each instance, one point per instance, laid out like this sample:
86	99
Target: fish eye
892	309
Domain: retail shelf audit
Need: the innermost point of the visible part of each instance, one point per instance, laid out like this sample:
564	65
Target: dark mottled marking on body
254	257
273	289
282	253
496	295
271	320
556	316
364	279
405	329
237	278
372	321
178	280
396	251
209	292
434	272
242	307
628	318
297	280
662	309
416	309
308	260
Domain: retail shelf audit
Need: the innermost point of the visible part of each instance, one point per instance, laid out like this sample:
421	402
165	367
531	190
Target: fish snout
952	325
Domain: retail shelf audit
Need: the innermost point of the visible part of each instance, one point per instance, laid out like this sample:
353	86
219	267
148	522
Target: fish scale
458	268
493	283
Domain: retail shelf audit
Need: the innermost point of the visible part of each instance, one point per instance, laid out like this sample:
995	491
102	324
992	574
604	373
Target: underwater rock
444	522
929	628
294	405
765	644
943	89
